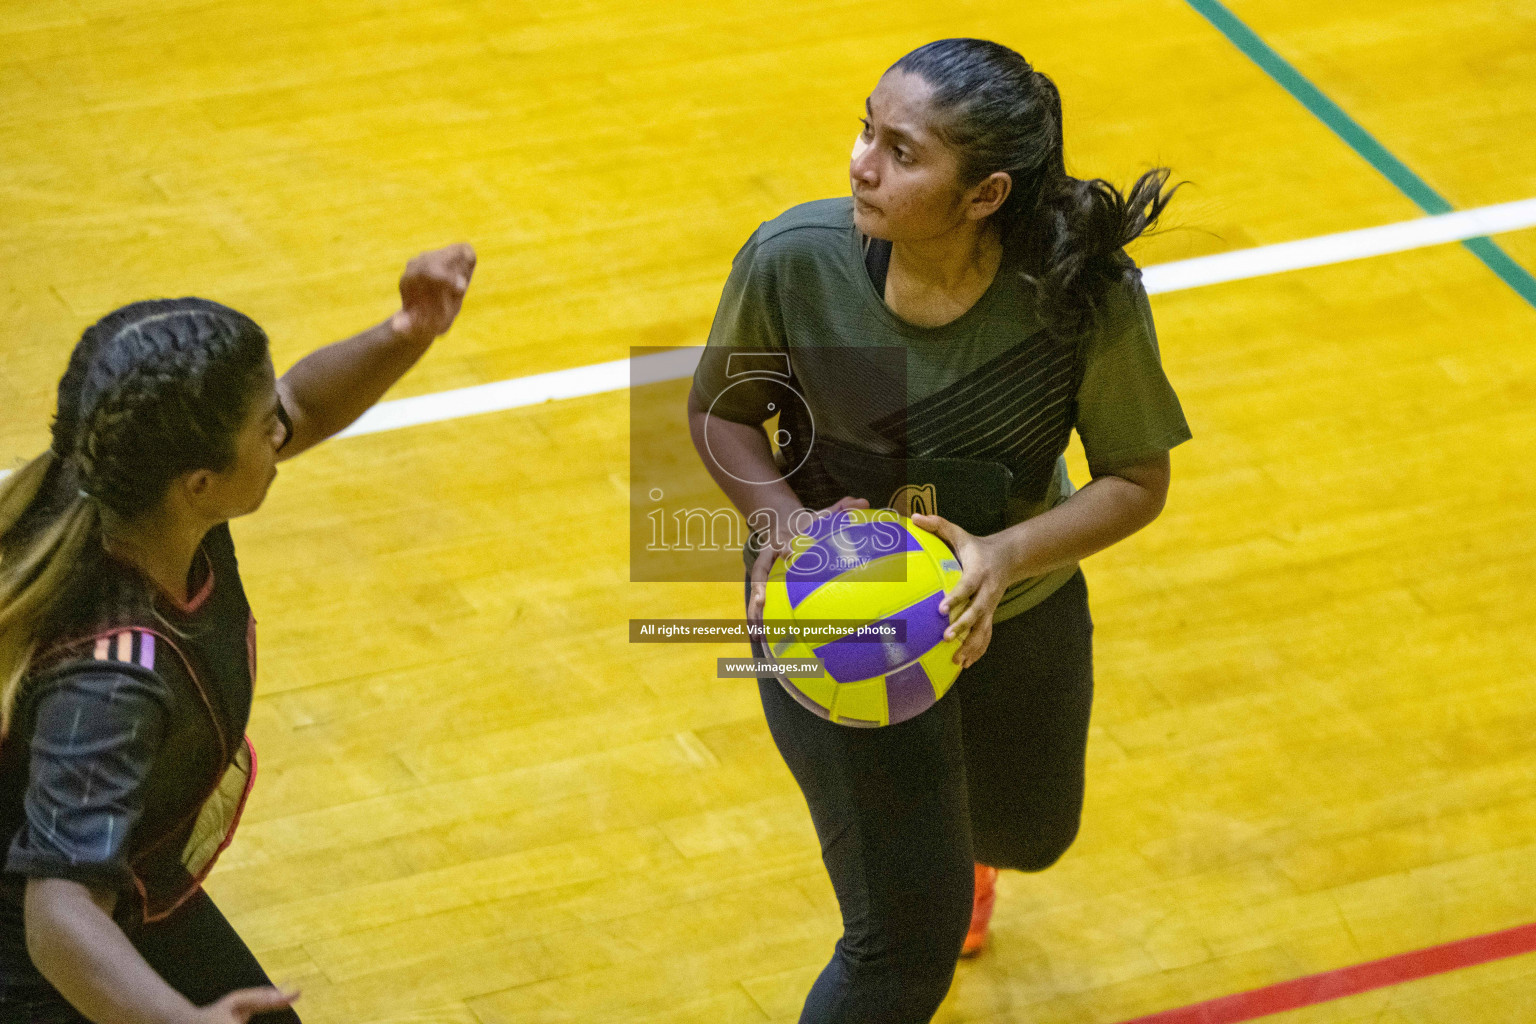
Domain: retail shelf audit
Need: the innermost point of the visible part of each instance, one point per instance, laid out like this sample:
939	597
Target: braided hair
999	114
153	390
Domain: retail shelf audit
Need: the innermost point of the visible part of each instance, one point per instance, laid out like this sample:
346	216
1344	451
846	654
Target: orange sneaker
981	910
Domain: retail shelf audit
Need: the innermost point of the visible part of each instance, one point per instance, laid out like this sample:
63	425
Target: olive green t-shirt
799	290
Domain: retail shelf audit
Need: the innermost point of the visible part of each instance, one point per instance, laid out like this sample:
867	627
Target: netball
876	569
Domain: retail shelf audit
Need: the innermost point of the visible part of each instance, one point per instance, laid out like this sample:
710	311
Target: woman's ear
988	195
197	482
193	491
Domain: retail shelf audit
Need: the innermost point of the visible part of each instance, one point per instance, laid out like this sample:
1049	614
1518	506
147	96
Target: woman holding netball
1001	284
127	648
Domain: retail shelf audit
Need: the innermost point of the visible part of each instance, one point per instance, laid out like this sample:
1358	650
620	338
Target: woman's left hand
983	578
432	292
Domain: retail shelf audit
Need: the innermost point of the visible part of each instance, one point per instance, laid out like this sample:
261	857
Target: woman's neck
934	281
161	547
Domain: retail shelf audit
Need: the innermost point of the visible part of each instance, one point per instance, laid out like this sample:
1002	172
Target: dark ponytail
153	390
999	114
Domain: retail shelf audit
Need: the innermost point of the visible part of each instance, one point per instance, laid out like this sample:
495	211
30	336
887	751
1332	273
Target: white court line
519	391
1340	248
1163	277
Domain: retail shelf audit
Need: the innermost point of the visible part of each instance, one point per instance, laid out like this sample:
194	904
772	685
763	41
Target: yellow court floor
479	804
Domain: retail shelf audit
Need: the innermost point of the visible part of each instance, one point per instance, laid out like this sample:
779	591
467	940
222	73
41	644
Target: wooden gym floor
479	803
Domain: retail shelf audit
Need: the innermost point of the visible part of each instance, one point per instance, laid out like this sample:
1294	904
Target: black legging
195	950
991	773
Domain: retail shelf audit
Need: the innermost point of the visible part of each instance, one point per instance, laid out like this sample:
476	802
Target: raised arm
332	386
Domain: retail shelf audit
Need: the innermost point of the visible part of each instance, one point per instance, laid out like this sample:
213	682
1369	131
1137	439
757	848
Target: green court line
1360	140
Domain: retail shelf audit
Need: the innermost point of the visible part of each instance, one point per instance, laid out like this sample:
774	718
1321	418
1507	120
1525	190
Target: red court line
1348	981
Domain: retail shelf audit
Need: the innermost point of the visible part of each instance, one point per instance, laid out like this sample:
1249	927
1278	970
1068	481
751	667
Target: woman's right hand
244	1003
778	545
432	292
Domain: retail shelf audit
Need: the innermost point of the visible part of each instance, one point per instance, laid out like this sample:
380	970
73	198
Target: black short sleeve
746	337
95	735
1126	408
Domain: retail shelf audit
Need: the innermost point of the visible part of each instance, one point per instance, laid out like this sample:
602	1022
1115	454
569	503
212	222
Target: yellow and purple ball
877	568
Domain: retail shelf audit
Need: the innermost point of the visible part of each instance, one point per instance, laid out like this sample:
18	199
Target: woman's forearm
1103	512
737	454
74	942
331	387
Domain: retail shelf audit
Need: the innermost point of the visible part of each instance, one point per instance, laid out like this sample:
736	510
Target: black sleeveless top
126	766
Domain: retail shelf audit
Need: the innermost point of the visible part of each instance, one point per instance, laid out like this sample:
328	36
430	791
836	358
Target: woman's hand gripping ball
984	576
778	545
